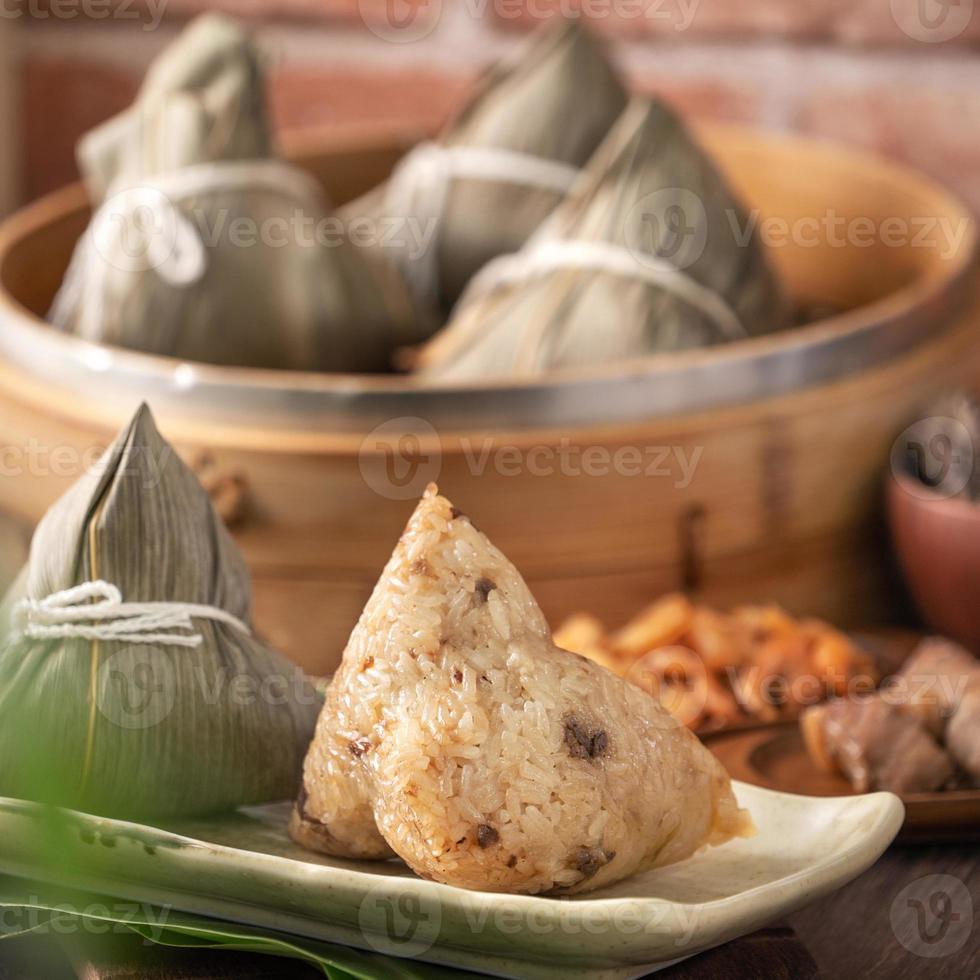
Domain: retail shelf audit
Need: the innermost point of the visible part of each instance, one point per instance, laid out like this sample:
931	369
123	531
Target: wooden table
848	934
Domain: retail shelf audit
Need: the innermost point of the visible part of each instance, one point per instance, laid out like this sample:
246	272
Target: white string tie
545	256
419	188
71	614
140	227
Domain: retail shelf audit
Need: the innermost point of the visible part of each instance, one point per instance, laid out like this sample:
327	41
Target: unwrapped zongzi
456	735
130	681
650	252
501	166
204	246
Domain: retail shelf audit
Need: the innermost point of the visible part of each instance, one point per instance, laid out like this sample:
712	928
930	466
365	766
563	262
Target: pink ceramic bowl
937	540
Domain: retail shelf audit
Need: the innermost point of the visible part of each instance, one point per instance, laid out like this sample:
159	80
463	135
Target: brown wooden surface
774	954
850	932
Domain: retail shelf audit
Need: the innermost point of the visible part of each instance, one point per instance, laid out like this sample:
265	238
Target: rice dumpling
131	683
204	246
456	735
501	165
650	252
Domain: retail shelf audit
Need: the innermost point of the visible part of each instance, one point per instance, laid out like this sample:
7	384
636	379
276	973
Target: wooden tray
773	756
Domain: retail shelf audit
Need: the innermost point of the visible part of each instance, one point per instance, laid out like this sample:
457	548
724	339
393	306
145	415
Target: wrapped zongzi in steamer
500	167
206	247
131	683
650	252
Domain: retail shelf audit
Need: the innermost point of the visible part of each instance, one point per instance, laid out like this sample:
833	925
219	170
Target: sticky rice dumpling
204	246
651	252
456	735
500	166
131	683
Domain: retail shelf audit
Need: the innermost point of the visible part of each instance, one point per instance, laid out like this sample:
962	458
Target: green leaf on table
54	910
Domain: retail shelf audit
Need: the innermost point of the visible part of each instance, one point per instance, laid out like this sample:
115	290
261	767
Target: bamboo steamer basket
785	437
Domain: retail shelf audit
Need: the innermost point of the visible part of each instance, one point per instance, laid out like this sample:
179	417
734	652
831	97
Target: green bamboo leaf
551	104
166	927
651	252
206	247
146	729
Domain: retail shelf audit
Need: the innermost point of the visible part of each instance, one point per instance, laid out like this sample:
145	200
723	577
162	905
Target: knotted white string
546	256
419	189
140	226
71	615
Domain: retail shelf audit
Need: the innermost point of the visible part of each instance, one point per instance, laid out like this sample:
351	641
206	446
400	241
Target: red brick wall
899	76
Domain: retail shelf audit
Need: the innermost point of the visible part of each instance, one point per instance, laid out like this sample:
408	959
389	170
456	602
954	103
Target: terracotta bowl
937	540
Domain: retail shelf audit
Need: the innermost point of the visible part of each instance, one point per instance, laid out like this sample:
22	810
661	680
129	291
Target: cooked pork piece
940	683
876	745
933	680
963	731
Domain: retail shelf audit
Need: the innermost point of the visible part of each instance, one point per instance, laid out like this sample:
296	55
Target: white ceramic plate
244	868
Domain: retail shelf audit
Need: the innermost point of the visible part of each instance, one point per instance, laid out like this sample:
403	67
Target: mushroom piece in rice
458	737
